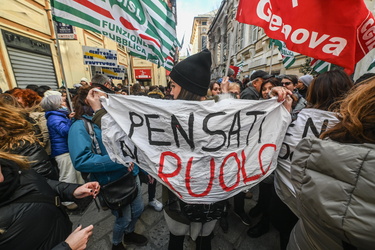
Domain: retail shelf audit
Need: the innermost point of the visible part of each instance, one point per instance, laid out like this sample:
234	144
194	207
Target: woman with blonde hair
17	136
334	179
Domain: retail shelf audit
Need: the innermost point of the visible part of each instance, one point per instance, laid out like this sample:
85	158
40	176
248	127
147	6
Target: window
204	30
204	23
204	42
254	34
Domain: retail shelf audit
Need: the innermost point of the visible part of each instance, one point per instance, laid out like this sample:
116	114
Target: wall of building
32	20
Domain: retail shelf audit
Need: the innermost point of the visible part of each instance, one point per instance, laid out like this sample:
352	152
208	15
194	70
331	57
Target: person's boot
118	247
134	239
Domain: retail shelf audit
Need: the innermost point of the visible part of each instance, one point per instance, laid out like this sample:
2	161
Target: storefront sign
65	31
142	73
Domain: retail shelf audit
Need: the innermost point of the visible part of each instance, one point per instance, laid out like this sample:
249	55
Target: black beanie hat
194	73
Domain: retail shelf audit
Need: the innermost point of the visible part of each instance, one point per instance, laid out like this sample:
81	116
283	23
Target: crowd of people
319	196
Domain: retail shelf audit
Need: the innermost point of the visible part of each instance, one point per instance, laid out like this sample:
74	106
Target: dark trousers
177	242
282	218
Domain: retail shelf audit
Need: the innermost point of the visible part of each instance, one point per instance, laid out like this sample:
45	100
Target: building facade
248	47
29	50
199	38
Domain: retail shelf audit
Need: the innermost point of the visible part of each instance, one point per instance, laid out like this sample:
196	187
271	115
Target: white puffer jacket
335	189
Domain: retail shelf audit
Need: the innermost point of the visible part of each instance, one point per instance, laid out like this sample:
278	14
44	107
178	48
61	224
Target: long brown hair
14	128
187	95
357	116
79	102
20	160
327	89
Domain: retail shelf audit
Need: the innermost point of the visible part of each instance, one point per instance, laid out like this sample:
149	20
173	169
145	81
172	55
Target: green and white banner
288	55
146	27
320	66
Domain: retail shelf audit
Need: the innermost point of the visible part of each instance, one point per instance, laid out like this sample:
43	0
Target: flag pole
271	58
231	41
49	12
130	71
62	67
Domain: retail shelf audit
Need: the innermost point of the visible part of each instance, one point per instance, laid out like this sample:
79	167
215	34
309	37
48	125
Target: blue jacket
58	127
101	167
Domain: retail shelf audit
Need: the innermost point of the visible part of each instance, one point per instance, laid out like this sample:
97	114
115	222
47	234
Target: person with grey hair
102	82
58	123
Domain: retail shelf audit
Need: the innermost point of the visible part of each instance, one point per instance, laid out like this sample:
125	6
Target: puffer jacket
101	167
38	158
334	184
58	127
35	225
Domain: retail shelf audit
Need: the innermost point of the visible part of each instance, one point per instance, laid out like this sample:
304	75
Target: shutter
32	68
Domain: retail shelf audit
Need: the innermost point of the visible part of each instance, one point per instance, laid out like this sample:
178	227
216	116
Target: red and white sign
142	73
339	32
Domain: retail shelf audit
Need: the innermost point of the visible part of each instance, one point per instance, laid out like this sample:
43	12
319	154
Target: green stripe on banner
77	13
153	32
160	13
161	28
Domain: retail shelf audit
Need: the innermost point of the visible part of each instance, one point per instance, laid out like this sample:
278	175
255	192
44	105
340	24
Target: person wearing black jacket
17	136
31	216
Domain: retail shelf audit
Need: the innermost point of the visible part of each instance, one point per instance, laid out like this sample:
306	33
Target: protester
58	123
17	137
333	178
303	84
234	89
30	215
84	81
256	79
102	82
103	170
290	82
215	89
311	122
266	87
187	86
30	100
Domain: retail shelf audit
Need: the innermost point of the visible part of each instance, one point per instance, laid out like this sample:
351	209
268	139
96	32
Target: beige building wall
32	19
28	19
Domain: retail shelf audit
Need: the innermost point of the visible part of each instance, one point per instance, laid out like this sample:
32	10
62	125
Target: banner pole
231	41
272	47
130	71
62	68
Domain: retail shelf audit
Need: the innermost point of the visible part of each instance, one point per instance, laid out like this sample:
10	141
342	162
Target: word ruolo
185	170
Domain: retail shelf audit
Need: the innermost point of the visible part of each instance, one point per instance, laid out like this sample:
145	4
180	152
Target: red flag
340	32
235	69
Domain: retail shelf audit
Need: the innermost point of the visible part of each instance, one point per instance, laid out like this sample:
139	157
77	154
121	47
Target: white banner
99	57
310	122
202	151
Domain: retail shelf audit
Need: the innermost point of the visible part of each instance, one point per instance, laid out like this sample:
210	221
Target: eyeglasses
216	89
286	83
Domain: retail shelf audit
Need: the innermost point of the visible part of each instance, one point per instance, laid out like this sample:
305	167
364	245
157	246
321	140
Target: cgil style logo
330	45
